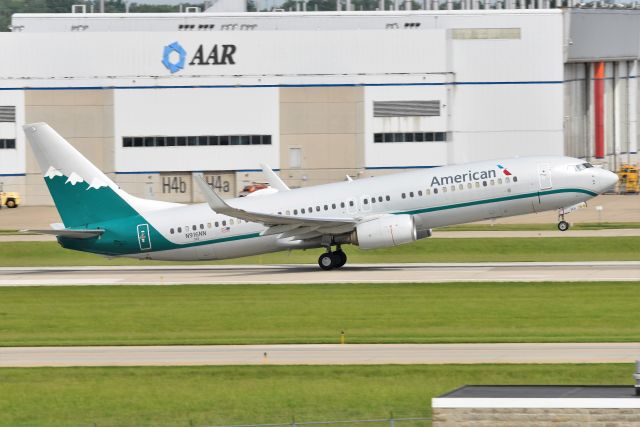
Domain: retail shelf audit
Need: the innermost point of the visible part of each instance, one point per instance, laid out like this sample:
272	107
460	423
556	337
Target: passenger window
231	222
193	227
493	182
224	223
499	181
208	225
179	229
515	179
217	224
507	180
171	231
295	211
373	200
326	208
365	201
317	208
388	198
302	210
350	202
419	192
342	205
411	194
201	226
435	191
427	192
461	187
404	196
477	184
444	189
469	185
288	213
310	209
484	183
453	188
279	213
380	199
333	205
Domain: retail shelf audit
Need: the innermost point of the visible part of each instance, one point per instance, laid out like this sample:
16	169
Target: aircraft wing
73	234
288	226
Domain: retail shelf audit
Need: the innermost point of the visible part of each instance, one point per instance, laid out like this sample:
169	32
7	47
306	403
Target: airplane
378	212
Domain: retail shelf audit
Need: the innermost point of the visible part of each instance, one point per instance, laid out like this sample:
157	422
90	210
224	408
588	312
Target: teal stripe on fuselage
497	200
111	246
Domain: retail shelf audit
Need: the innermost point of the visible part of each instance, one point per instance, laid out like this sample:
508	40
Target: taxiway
351	273
320	354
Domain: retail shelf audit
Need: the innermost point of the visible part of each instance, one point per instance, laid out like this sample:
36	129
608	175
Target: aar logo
504	170
174	57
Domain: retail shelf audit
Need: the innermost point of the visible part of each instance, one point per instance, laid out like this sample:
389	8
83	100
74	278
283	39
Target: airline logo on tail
74	178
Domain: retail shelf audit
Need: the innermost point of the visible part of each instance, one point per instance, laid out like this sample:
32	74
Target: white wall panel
185	112
475	146
120	58
536	56
406	154
12	162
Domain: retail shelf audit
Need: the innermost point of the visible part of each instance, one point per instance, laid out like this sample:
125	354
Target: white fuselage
435	197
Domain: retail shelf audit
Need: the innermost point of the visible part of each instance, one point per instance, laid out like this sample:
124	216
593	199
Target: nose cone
607	180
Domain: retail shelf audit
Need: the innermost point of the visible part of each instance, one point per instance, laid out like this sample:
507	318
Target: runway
351	273
317	354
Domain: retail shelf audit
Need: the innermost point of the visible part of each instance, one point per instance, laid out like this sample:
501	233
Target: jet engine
392	230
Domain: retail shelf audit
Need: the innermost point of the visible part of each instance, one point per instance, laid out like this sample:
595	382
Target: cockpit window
580	167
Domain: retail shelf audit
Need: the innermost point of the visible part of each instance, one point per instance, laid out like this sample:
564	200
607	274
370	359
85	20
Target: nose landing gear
330	260
563	225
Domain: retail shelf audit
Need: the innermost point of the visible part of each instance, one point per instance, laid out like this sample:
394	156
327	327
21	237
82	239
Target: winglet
213	199
273	179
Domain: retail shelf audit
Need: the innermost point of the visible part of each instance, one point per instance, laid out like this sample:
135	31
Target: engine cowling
385	232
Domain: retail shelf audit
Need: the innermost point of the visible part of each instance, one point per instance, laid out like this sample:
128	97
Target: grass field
13	254
372	313
197	396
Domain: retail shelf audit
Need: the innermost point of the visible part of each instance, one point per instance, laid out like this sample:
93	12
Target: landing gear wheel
341	258
563	226
327	261
11	203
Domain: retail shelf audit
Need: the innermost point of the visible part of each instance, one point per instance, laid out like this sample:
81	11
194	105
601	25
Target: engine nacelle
385	232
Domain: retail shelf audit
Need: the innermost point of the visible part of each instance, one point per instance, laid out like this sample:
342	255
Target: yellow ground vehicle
10	199
628	183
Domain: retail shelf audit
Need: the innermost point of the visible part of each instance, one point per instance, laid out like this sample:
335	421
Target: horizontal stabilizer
71	234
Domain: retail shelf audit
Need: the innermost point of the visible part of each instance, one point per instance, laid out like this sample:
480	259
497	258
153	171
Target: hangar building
151	98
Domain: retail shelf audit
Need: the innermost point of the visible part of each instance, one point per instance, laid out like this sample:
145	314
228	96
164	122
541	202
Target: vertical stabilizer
81	192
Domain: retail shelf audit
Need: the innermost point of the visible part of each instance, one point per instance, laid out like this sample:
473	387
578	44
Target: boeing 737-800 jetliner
379	212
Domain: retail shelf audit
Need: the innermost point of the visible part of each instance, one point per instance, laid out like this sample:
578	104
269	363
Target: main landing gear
330	260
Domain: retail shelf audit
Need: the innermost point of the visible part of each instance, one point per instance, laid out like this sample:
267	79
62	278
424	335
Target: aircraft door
352	205
544	176
144	239
365	203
